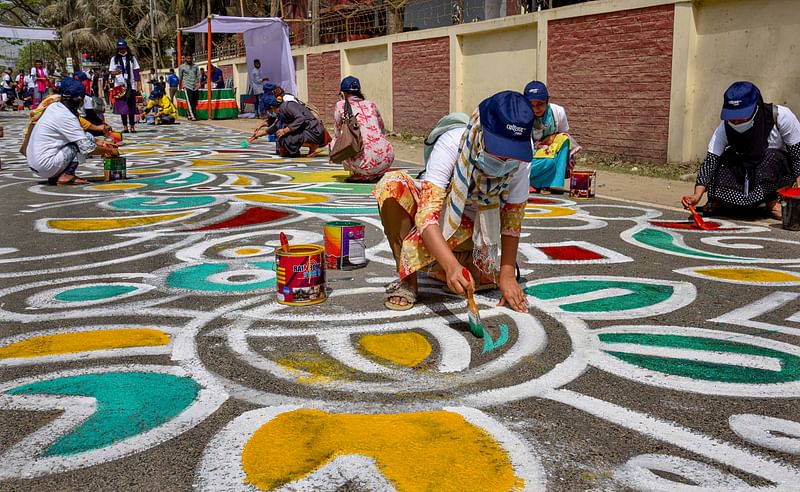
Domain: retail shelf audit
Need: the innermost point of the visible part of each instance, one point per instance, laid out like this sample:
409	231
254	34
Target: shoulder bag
348	142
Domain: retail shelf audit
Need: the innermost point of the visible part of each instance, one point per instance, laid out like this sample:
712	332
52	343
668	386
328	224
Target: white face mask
743	127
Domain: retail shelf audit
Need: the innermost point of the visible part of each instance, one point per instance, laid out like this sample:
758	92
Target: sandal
545	191
398	289
73	181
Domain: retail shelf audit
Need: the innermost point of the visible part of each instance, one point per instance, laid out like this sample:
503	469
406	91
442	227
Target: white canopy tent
265	39
28	33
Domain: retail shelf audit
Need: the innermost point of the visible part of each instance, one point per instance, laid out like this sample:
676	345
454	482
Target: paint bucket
114	168
790	208
344	245
301	275
581	184
150	120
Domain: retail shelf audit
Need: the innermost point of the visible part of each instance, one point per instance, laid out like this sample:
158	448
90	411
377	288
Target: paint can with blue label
300	275
344	245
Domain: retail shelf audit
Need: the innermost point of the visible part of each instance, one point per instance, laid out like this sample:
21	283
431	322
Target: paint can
581	184
114	168
344	245
150	119
790	208
301	275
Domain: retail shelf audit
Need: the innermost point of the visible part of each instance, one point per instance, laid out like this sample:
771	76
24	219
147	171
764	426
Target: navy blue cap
269	87
269	101
507	122
121	43
157	92
536	91
350	84
739	101
71	88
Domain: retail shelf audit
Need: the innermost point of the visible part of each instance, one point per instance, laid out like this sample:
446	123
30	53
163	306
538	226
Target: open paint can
344	245
581	184
790	212
300	275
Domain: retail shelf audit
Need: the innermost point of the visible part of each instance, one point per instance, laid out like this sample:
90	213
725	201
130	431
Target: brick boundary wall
420	84
612	72
324	76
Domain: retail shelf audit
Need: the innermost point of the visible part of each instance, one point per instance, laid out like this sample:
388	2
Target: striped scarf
471	185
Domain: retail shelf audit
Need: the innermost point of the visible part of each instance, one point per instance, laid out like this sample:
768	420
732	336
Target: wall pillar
681	137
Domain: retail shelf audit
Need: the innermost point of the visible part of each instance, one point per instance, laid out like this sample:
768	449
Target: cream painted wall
301	75
371	66
753	40
494	61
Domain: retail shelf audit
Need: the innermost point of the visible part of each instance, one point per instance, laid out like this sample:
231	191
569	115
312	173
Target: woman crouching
471	198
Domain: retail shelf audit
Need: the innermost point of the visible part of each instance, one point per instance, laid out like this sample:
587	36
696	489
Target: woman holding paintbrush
467	209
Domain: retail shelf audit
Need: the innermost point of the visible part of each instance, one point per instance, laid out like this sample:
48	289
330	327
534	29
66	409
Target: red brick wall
324	77
420	84
612	73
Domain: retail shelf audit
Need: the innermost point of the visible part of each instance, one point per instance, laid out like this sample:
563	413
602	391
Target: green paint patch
195	277
94	293
128	404
664	241
641	294
708	371
343	189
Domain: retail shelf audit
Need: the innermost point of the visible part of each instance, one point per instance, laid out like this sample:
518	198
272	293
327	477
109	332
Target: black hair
356	93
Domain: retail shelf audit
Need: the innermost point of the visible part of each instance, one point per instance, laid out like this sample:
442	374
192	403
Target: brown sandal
775	209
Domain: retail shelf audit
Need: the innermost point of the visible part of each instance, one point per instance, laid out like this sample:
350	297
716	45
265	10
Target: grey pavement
142	346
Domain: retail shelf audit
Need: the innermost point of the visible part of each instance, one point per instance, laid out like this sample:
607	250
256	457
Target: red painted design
570	253
542	201
251	216
691	225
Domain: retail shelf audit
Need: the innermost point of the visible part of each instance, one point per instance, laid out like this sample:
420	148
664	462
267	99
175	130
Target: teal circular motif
197	277
94	293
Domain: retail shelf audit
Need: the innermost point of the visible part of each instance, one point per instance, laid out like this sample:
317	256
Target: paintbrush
698	221
475	326
284	242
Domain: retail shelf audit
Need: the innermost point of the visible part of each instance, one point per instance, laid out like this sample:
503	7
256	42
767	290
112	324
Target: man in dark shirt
294	126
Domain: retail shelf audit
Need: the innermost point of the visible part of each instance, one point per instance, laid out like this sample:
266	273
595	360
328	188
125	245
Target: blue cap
350	84
269	101
739	101
121	43
157	92
507	122
269	87
72	88
536	91
81	75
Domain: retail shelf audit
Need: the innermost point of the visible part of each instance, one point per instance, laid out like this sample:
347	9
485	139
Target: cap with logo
350	84
739	101
71	88
536	91
507	121
121	43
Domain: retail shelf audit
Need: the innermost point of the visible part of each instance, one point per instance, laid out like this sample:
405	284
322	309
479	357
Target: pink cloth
377	154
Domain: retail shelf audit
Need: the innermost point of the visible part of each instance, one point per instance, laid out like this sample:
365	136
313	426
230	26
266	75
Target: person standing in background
190	77
124	69
41	82
172	85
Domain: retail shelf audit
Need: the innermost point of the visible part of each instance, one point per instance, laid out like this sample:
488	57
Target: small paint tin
150	119
581	184
300	275
114	168
344	245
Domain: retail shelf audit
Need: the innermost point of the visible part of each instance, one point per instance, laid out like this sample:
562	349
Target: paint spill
408	349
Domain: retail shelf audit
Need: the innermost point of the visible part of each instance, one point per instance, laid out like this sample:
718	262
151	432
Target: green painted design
642	295
128	404
662	240
708	371
94	293
339	210
195	278
175	180
172	203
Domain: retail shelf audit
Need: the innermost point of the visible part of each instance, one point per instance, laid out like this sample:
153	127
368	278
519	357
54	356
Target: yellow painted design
315	176
144	152
749	275
321	369
284	197
276	159
547	211
211	163
118	186
146	171
84	341
247	251
416	451
110	224
407	349
242	181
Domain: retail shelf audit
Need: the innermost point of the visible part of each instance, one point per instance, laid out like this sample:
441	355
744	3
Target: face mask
743	127
496	167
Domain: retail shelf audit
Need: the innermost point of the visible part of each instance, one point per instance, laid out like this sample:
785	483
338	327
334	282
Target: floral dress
377	155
